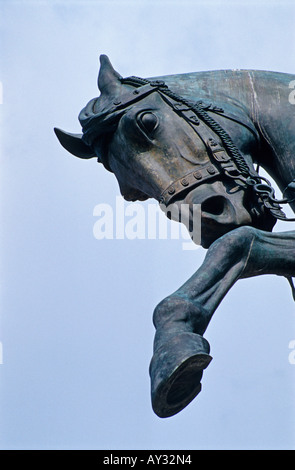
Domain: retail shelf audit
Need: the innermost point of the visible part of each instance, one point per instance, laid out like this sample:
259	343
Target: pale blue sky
76	312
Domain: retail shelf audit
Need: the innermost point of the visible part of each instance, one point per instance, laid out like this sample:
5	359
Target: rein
225	157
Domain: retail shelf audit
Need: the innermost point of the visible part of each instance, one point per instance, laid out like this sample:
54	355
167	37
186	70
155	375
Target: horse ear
108	79
74	144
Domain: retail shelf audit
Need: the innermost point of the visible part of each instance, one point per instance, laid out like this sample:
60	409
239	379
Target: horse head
173	151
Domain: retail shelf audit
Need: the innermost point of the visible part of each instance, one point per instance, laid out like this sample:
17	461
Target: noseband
225	158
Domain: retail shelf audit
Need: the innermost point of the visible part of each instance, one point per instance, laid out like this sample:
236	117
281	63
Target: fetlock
175	315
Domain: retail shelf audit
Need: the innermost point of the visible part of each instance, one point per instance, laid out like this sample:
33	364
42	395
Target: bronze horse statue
199	139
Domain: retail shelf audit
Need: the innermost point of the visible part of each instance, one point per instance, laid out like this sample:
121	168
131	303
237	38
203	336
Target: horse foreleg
180	351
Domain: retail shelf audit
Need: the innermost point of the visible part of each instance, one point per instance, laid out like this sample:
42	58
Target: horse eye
148	121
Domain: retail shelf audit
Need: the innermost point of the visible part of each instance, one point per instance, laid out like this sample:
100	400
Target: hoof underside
176	371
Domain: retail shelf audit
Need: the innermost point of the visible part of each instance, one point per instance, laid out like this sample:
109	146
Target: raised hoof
176	370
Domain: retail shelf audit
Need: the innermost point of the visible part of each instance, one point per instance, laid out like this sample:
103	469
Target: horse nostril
214	205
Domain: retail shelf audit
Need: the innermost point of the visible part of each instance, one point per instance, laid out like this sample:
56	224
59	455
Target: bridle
225	158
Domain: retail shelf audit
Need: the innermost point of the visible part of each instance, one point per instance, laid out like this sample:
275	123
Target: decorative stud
198	175
184	182
211	170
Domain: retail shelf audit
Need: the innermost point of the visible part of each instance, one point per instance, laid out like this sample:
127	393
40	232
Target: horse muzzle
220	210
220	215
